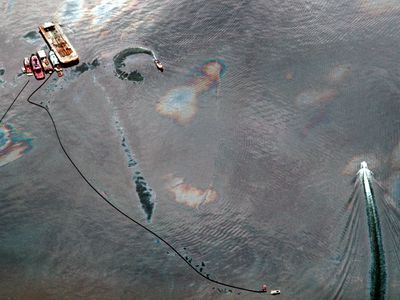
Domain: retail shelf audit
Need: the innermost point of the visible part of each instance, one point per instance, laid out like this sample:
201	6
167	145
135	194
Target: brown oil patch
187	194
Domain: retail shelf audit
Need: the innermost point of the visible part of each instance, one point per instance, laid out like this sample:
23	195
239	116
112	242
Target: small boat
54	61
275	292
159	65
27	69
59	43
56	64
47	67
37	68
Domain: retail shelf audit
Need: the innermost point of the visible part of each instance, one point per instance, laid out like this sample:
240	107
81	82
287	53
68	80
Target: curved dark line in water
120	57
119	210
12	103
378	265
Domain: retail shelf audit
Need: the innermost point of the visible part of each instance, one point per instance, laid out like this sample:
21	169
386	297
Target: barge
59	43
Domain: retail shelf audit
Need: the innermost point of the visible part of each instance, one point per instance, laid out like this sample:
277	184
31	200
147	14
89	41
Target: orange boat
59	43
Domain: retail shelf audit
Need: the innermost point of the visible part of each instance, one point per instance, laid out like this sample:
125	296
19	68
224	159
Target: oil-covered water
246	147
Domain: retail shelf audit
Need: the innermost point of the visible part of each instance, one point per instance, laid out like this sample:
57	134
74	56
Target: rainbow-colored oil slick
378	7
12	144
180	103
187	194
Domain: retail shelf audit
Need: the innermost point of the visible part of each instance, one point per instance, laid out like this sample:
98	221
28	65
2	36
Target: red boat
27	67
37	68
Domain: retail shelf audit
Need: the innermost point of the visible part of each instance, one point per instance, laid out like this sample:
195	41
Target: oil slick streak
31	37
83	67
2	71
119	63
319	97
12	145
180	103
377	278
318	118
143	190
187	194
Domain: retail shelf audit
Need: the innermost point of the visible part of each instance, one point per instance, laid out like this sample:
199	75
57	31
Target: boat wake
362	231
377	279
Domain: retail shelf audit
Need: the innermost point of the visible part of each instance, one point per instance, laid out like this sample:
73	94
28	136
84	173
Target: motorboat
54	61
37	68
56	64
27	69
47	67
275	292
159	65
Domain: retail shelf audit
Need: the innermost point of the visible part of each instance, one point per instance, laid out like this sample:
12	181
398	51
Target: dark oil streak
118	210
119	59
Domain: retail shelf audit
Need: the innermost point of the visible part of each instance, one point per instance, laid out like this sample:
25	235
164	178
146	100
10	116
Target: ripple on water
12	144
377	7
312	96
339	73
